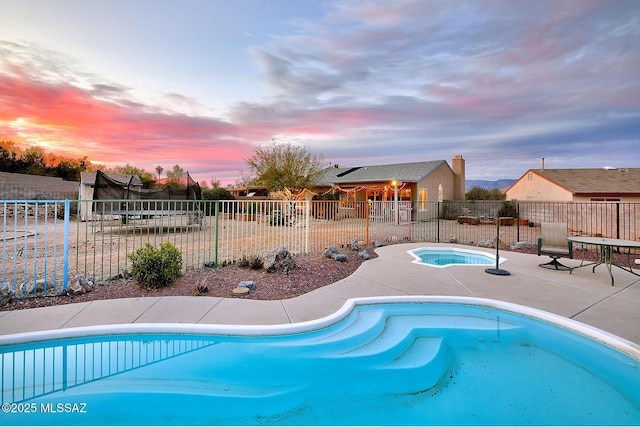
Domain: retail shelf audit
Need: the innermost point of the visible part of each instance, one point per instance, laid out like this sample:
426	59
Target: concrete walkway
583	296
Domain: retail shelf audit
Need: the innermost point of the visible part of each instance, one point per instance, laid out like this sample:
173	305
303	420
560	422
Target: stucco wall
443	175
14	186
532	187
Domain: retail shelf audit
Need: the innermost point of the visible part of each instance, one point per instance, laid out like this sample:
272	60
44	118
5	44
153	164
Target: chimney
459	184
542	167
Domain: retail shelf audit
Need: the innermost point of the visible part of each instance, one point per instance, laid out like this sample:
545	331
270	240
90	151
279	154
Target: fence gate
35	246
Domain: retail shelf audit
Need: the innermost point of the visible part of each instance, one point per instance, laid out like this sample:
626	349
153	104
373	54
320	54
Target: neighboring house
18	186
417	183
87	182
577	185
256	193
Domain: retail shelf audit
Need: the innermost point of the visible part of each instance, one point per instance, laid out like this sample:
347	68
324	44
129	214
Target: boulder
486	244
355	245
279	260
79	285
364	255
523	246
330	252
6	295
39	287
249	284
340	257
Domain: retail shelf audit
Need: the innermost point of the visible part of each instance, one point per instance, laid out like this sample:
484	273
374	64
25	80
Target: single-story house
577	185
87	183
417	183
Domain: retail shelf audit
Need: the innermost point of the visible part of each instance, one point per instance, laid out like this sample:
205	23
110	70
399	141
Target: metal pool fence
44	244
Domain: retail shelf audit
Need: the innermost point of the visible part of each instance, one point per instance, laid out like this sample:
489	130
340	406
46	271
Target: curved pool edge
418	260
625	346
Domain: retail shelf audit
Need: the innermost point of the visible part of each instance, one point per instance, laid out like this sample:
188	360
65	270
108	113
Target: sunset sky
200	83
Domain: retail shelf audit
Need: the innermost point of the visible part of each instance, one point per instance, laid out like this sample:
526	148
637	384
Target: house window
440	193
604	199
422	199
530	176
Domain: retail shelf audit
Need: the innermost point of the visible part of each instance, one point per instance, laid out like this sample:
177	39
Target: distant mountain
489	185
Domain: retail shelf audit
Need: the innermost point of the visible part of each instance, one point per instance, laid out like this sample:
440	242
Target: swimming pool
392	360
446	257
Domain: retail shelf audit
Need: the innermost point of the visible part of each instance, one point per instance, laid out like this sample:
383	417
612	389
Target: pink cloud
72	121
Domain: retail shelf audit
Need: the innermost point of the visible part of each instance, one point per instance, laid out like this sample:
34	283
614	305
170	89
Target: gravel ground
311	272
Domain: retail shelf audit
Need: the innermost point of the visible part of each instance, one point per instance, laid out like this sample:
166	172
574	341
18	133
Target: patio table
605	246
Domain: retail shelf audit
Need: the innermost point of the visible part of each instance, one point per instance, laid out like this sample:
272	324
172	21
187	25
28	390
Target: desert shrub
156	268
508	208
217	194
256	262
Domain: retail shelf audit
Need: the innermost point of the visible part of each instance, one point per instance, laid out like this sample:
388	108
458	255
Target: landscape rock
364	255
355	245
249	284
279	260
6	295
486	244
454	240
378	243
330	252
79	285
523	246
39	287
340	257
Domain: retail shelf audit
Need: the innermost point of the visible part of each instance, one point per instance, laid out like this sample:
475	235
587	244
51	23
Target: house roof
406	172
90	178
594	181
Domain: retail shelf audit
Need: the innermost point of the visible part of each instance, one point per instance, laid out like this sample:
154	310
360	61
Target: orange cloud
71	121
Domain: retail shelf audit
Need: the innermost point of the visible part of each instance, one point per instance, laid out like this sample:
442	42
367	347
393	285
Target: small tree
174	176
281	166
133	170
481	193
216	194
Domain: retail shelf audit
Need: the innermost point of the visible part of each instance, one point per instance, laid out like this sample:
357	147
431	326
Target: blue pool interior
444	257
394	363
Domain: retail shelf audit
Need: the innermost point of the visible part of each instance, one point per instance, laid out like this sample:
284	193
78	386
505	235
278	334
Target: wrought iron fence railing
43	244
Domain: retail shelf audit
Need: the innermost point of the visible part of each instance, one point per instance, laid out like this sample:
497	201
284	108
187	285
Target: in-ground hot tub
442	257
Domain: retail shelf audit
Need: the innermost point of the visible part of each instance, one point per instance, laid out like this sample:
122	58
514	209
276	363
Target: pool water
403	363
445	257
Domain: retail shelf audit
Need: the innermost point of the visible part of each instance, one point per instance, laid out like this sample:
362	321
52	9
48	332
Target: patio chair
553	243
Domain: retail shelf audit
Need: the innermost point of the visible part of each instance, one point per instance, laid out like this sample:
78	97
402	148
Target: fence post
517	222
65	265
217	215
366	216
438	223
307	214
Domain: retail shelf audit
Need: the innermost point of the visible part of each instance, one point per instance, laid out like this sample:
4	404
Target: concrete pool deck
583	296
